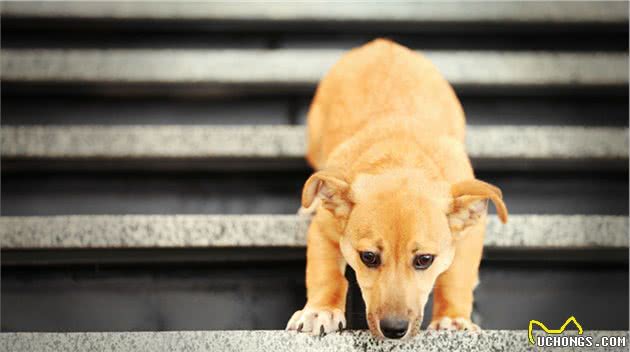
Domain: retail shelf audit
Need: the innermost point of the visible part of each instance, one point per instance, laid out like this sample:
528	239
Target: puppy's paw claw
317	321
457	323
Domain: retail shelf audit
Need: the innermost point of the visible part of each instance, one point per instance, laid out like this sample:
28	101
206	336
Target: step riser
264	192
292	109
265	295
126	35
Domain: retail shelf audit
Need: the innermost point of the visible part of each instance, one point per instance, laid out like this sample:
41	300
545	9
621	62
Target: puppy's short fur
394	190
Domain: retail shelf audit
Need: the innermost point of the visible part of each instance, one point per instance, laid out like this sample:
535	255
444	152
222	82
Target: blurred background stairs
152	157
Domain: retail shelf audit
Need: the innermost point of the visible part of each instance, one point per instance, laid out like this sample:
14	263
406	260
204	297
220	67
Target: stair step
221	71
488	340
381	13
225	231
490	147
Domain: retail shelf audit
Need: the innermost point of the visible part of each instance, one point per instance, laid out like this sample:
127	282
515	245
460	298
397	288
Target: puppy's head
398	234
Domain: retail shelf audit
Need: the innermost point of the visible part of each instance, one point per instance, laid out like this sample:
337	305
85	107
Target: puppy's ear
470	202
332	188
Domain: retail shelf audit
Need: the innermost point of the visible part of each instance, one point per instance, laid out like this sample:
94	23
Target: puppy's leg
326	284
453	293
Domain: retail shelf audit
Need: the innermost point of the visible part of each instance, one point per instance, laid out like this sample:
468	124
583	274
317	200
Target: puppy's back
372	82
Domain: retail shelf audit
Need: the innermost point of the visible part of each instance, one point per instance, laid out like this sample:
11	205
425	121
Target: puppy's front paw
317	321
458	323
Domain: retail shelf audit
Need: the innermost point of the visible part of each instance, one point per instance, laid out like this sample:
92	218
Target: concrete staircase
152	161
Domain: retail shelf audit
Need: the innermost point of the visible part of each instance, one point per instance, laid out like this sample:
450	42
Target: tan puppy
397	197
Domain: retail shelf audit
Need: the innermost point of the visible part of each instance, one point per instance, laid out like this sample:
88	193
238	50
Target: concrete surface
298	67
179	141
190	231
280	341
453	11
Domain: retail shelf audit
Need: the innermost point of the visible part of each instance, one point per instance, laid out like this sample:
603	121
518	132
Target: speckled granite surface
140	231
419	12
278	341
558	231
490	142
153	141
152	231
540	142
298	66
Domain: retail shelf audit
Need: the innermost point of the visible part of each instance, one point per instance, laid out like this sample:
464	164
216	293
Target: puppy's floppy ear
470	202
332	188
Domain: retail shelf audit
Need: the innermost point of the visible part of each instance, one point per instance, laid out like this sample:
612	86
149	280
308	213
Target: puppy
395	196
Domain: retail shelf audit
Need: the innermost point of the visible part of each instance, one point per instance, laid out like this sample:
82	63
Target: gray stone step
176	341
407	13
522	232
489	146
217	71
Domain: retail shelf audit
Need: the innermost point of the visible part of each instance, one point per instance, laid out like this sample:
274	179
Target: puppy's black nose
394	328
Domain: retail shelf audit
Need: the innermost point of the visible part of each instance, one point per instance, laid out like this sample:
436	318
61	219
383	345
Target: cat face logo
549	331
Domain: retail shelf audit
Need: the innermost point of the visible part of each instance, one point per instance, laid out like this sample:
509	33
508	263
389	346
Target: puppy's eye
371	259
423	261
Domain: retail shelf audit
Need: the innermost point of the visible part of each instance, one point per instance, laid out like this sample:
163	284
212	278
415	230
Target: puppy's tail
311	210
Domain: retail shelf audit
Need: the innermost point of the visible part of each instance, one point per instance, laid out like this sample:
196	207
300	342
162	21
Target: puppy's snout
394	328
